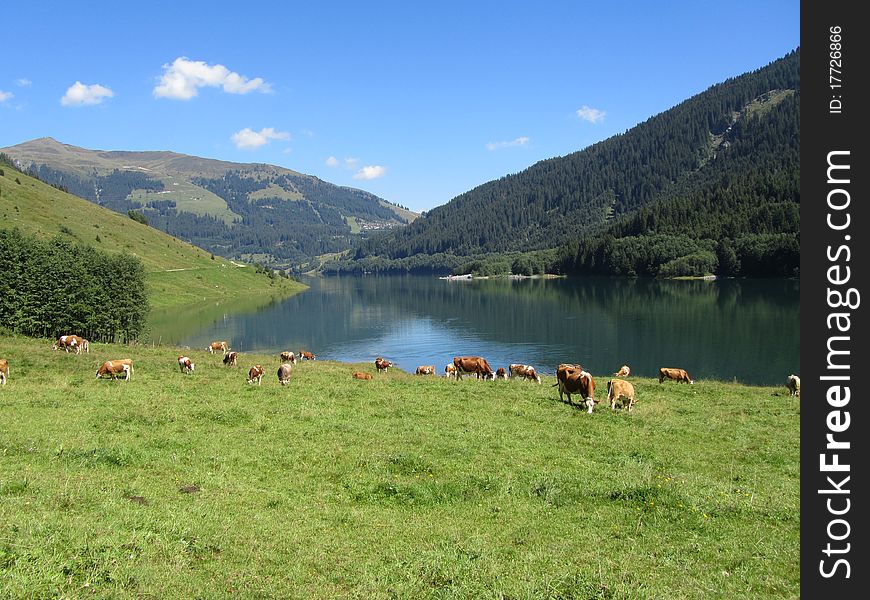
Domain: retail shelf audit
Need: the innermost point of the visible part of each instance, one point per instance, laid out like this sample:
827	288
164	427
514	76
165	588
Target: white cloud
4	96
331	162
350	162
370	172
593	115
182	79
23	82
248	139
80	94
520	141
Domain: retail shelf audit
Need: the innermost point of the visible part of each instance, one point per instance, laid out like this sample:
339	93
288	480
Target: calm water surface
746	330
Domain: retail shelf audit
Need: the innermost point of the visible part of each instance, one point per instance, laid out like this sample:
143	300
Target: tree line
54	287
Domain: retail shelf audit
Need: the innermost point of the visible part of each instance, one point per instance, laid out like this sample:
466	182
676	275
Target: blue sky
414	102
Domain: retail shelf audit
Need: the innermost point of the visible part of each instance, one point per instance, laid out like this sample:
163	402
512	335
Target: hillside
176	272
236	210
744	128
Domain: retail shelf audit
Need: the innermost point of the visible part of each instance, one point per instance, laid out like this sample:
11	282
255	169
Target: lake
743	330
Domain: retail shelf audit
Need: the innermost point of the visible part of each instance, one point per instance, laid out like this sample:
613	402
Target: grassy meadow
201	486
177	273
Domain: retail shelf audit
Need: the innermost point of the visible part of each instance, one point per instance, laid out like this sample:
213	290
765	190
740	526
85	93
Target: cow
676	374
71	342
218	347
500	373
616	389
572	380
4	371
793	383
624	371
425	370
382	365
185	364
525	371
284	372
360	375
115	367
230	358
473	364
449	371
307	355
288	357
256	374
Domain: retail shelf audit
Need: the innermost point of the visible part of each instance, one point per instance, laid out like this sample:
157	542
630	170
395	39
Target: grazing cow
307	355
284	372
793	383
185	364
115	367
218	347
360	375
4	371
382	365
425	370
623	371
616	389
473	364
288	357
256	374
500	373
676	374
572	380
71	342
449	371
230	358
525	371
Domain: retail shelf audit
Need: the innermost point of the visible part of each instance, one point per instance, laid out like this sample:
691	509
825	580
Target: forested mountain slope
719	165
241	210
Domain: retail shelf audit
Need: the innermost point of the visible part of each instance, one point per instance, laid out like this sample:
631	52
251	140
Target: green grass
200	486
177	273
188	197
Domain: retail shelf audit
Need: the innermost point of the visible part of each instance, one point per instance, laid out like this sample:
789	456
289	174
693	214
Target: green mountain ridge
237	210
717	160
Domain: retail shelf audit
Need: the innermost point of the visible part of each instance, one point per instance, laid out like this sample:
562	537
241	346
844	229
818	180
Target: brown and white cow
624	371
284	372
256	374
116	367
793	383
382	364
573	380
475	365
218	347
307	355
500	373
4	371
361	375
71	342
525	371
425	370
449	371
676	374
231	358
185	364
288	357
618	388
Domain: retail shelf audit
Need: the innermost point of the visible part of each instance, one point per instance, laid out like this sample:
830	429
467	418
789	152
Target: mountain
238	210
723	163
177	274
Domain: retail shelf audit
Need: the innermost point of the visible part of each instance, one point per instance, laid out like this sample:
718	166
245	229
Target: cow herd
571	379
